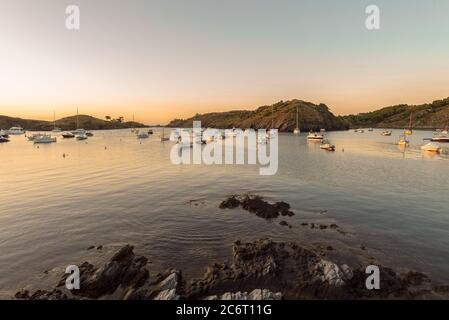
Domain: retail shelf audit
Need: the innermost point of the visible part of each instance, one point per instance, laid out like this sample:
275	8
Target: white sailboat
55	128
80	134
297	130
163	137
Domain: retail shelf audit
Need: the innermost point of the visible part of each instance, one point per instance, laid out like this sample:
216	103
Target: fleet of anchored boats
203	138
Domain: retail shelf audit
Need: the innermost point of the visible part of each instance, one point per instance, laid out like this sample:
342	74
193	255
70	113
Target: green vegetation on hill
425	116
68	123
311	117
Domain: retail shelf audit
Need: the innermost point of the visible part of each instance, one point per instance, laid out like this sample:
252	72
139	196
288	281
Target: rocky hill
425	116
281	115
68	123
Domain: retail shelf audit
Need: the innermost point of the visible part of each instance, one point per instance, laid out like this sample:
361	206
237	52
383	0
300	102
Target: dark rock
230	203
22	294
256	204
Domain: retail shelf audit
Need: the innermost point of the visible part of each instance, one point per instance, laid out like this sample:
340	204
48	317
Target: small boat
89	134
386	133
359	130
231	134
315	136
409	131
150	131
163	137
403	141
44	138
3	133
55	128
16	131
431	147
142	135
440	138
325	145
183	144
3	139
262	139
34	136
175	135
370	129
67	135
322	130
81	136
79	132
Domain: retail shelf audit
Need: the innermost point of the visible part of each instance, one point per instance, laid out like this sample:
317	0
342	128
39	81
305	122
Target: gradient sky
172	58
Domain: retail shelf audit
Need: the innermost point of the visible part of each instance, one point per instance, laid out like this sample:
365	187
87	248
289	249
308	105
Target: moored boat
44	138
16	131
81	136
67	135
315	136
142	135
325	145
386	133
403	141
431	147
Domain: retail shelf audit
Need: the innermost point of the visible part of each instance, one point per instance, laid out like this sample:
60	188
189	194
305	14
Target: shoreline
256	269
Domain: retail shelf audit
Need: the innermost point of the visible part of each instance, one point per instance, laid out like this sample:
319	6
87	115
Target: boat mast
297	117
54	120
272	116
77	119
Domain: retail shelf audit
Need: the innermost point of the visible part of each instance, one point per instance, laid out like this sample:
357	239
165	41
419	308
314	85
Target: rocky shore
263	269
260	269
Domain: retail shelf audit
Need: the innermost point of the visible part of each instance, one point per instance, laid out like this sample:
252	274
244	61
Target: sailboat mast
54	120
77	119
272	116
297	122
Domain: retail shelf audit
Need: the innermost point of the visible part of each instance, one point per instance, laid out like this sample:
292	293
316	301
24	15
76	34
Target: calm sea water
116	189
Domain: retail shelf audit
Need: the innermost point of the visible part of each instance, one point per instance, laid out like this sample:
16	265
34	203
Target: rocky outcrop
259	270
281	116
257	205
299	273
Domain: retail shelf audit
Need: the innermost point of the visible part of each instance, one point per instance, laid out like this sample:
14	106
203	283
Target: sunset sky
173	58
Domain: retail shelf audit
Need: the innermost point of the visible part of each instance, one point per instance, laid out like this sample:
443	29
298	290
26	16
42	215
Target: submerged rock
258	206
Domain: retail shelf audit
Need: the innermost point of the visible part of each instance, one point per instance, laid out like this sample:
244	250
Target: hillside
425	116
68	123
311	117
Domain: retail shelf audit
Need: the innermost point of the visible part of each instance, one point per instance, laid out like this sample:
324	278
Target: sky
168	59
